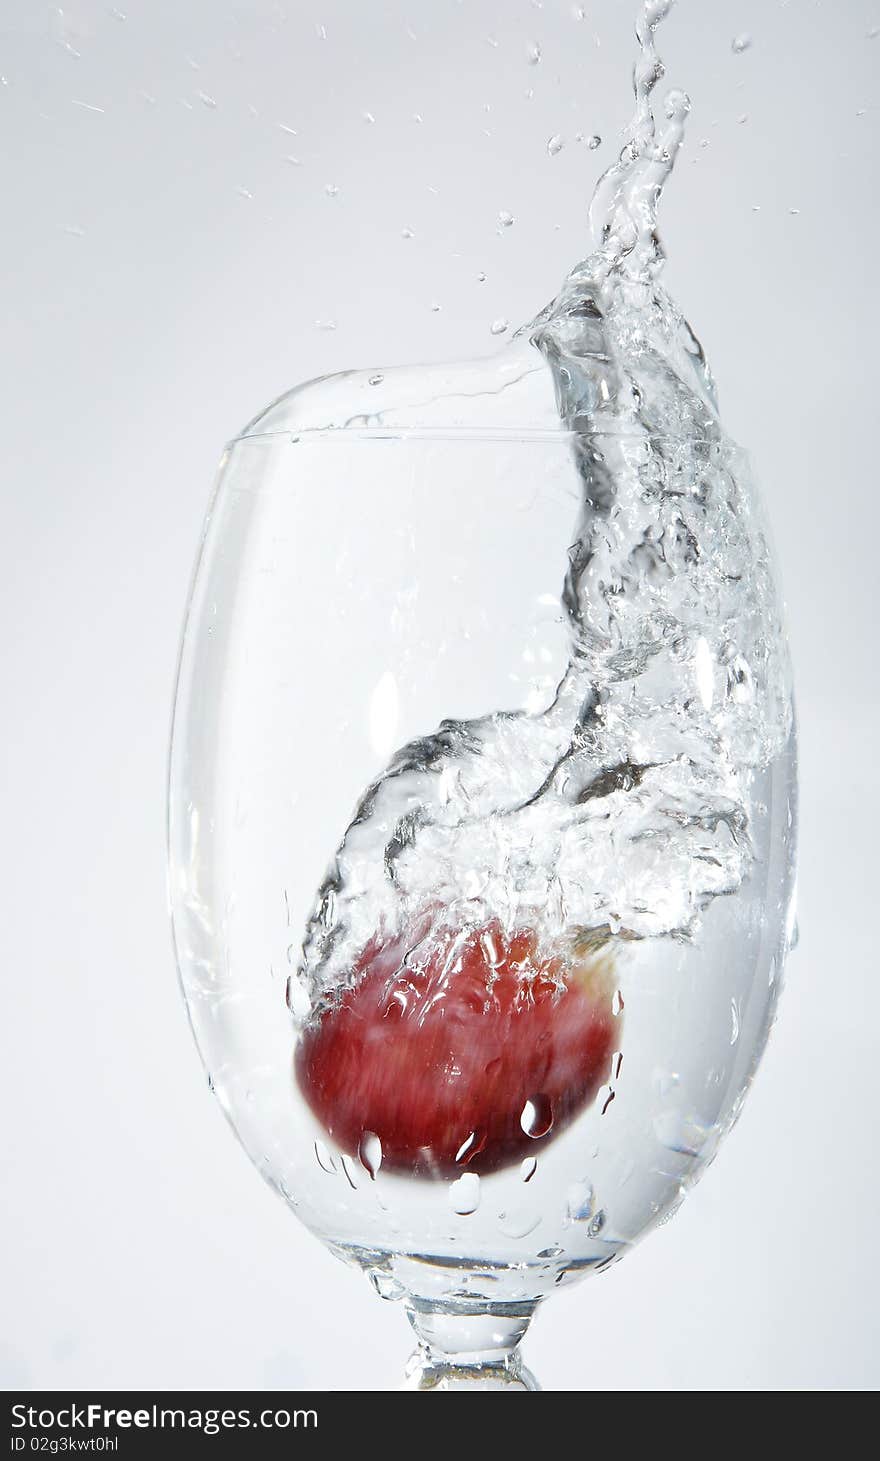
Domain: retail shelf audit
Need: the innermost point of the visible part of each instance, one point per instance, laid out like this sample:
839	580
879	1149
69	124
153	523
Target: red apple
466	1052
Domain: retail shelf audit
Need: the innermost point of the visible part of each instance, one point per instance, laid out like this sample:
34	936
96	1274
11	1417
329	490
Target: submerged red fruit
468	1056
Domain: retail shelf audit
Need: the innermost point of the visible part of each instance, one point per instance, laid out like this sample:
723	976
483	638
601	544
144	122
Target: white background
164	267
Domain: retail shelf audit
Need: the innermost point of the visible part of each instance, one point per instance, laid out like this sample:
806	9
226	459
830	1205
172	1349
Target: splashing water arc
617	813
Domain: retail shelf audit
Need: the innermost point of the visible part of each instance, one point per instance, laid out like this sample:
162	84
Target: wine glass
480	959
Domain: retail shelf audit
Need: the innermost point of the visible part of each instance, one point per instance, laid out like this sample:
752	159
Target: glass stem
476	1350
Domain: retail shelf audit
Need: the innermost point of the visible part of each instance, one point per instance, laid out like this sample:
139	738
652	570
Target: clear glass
359	585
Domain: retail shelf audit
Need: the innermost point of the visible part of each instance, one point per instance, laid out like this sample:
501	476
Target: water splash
622	809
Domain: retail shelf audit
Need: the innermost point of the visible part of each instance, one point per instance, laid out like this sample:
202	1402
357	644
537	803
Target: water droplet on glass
555	144
537	1116
734	1022
616	1002
667	1083
534	53
386	1286
679	1133
349	1167
741	43
370	1153
528	1168
505	219
298	1001
498	327
324	1159
464	1195
518	1223
580	1201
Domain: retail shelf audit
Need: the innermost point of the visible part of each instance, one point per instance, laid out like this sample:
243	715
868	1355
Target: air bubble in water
734	1022
464	1194
528	1169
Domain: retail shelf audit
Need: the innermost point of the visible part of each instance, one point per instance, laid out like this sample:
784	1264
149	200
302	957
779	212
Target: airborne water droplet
741	43
464	1194
498	327
534	53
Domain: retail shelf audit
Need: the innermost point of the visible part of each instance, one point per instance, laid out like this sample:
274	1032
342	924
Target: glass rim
389	432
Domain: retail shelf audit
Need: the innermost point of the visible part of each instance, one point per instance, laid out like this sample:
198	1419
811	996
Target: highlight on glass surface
482	793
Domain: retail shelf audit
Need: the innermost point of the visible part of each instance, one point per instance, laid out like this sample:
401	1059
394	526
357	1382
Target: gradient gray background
164	267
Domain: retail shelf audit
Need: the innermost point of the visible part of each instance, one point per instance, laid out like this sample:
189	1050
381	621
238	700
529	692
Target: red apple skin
439	1060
